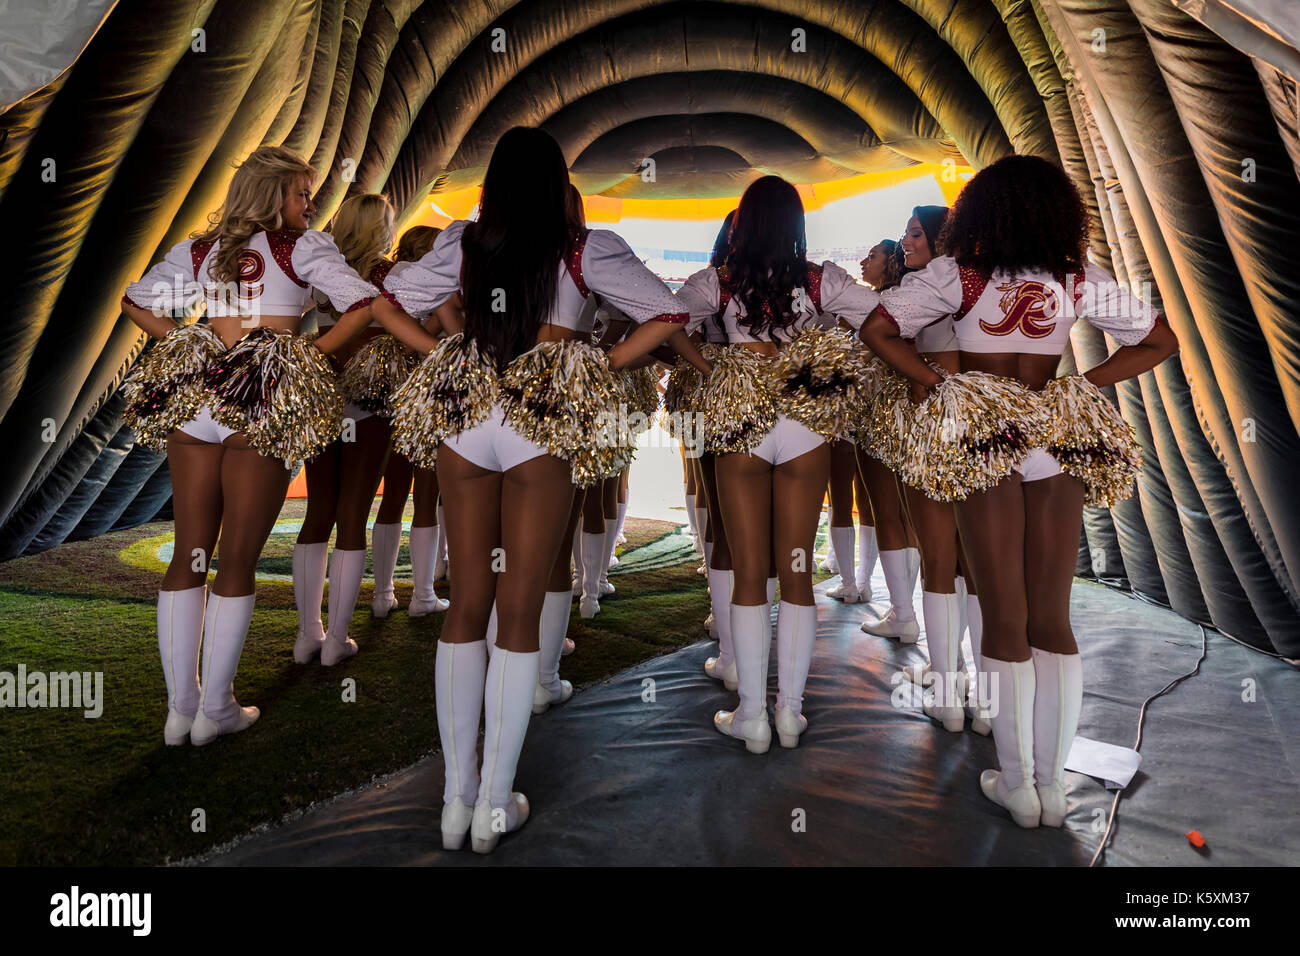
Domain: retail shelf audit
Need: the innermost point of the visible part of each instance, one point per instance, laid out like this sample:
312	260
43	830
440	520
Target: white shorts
1038	464
494	445
786	441
205	429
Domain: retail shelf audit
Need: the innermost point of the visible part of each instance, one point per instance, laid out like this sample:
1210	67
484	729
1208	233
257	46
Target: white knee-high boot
900	620
345	585
722	667
914	564
385	542
842	544
225	625
611	524
945	695
692	518
460	672
576	552
751	634
1058	700
796	630
868	553
553	625
507	705
424	553
619	537
442	559
309	563
180	632
977	708
593	560
1012	688
771	589
491	636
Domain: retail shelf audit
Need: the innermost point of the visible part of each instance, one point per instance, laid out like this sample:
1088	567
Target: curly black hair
1020	214
767	260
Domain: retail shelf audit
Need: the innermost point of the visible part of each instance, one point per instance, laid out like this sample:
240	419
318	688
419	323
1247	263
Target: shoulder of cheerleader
676	318
884	313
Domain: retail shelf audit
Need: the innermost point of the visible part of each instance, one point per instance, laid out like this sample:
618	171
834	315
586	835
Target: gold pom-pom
641	393
563	396
165	388
280	391
684	382
1091	440
970	433
816	382
737	402
452	390
375	372
889	419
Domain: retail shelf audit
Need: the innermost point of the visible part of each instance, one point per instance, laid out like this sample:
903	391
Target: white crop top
277	271
831	290
1029	312
600	262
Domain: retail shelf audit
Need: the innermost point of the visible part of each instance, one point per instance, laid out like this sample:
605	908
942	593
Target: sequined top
1029	312
604	264
831	291
277	272
323	316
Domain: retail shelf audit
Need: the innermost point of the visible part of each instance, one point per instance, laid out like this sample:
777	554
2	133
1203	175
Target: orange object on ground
1195	839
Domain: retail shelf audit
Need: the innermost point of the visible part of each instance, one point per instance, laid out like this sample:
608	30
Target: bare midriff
232	328
558	333
1033	371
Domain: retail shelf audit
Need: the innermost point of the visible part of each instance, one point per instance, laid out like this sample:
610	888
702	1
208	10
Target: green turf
107	791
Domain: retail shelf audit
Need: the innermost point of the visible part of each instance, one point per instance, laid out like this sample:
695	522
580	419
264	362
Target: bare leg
473	528
196	493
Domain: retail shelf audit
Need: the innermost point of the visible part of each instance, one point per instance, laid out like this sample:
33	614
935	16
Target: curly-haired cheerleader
1018	449
774	398
236	403
511	407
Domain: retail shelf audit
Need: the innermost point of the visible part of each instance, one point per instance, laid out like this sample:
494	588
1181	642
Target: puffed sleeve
318	262
422	286
923	296
701	297
612	269
169	286
844	297
1104	303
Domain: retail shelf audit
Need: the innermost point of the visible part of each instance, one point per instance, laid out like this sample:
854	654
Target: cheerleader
772	467
510	406
399	475
342	479
1029	449
231	430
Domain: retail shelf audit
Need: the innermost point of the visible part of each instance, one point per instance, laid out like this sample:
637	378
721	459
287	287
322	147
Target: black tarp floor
615	779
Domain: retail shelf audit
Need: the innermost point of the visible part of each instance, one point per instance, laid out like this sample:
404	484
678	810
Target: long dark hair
1021	214
767	260
723	242
516	246
932	219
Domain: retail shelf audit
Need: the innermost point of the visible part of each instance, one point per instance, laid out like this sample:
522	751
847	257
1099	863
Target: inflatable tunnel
119	124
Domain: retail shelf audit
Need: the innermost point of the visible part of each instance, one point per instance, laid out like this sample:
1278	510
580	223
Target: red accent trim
973	283
126	300
282	242
199	250
815	286
574	262
393	299
724	289
676	318
882	311
359	304
380	272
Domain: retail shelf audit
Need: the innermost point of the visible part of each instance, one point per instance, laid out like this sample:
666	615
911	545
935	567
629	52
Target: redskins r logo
1025	305
251	269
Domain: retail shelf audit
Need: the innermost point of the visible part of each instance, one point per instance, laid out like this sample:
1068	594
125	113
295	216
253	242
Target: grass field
107	791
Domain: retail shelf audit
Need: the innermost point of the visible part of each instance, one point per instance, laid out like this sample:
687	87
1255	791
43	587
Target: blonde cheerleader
236	402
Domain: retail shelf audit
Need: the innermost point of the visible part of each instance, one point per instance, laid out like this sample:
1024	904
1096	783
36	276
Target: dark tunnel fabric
1192	182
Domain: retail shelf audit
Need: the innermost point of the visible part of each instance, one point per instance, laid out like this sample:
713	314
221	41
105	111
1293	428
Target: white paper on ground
1114	766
